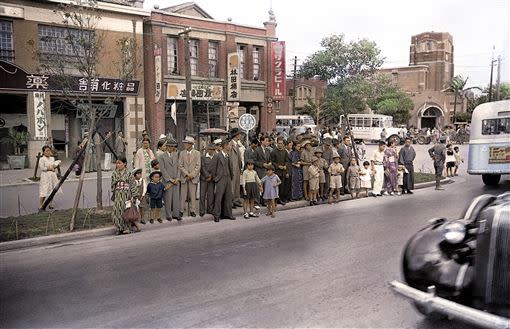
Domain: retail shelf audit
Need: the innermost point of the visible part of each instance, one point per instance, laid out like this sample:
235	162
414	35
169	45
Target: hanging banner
199	92
41	121
157	70
278	70
233	78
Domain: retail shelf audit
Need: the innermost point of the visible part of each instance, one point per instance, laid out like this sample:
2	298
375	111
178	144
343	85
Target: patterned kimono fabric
391	166
297	176
123	188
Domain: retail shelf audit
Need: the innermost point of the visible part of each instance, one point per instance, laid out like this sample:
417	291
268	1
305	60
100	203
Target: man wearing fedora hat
221	171
206	202
237	164
189	167
169	167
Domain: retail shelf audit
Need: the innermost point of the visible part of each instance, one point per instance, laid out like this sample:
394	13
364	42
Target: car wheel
395	139
491	180
421	140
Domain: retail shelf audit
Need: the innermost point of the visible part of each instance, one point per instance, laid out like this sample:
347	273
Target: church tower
434	49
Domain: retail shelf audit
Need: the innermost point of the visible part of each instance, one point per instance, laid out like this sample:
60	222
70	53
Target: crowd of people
270	170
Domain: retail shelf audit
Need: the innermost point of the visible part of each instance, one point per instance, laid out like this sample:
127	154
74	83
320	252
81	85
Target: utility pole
187	63
490	81
498	79
294	87
135	74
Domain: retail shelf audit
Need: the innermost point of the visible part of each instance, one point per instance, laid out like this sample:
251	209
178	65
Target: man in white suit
189	167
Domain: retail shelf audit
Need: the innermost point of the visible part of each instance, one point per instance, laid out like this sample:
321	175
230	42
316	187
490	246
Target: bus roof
293	116
364	115
491	110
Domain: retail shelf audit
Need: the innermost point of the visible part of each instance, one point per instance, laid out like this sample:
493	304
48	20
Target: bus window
367	123
352	122
496	126
376	122
387	122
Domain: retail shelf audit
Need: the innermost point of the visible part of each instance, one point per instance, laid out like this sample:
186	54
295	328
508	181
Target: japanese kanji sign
41	122
278	70
177	91
157	73
233	78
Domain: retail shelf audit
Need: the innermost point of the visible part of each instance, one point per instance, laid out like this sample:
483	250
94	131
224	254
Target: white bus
489	142
285	122
369	127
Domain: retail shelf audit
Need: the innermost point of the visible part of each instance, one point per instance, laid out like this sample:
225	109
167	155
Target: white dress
48	178
366	179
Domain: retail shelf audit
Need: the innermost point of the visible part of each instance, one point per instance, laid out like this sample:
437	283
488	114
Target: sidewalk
110	231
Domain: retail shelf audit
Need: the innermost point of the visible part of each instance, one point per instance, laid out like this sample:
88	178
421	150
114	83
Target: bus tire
394	138
421	140
490	179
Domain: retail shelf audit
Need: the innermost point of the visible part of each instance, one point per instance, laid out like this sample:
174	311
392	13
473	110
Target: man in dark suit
280	159
345	153
262	157
249	153
221	171
206	182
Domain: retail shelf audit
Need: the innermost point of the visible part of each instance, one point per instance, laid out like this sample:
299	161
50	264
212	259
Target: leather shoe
178	218
192	214
169	219
216	219
231	218
181	214
410	192
202	214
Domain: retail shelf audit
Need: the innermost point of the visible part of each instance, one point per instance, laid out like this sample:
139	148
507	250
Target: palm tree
457	87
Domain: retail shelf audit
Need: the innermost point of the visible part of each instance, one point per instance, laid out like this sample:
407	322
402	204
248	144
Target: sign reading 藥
233	78
41	122
278	70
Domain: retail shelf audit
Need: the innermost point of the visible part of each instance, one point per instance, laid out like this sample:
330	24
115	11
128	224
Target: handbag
131	214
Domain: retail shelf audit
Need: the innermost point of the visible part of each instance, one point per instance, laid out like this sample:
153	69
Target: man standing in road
438	154
377	162
189	167
345	153
280	158
206	182
169	167
262	160
237	164
221	171
406	157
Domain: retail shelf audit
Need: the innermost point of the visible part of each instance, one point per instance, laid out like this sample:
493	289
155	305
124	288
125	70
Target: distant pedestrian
297	172
142	191
143	158
313	179
335	180
306	161
450	160
123	189
377	162
323	166
353	176
251	189
189	166
49	179
390	167
458	159
270	184
438	155
365	178
206	200
120	145
406	157
155	190
169	163
346	154
221	171
401	171
384	134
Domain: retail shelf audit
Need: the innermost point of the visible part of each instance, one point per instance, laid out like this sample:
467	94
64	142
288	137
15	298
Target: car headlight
455	232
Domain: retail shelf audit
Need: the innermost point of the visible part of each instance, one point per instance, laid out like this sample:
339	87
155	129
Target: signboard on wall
41	121
157	70
233	78
177	91
278	70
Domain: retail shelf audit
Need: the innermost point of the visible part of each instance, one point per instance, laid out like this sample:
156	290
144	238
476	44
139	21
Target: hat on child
154	173
136	171
318	150
335	154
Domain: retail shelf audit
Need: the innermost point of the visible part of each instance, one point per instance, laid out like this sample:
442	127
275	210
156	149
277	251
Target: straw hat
335	154
318	150
189	140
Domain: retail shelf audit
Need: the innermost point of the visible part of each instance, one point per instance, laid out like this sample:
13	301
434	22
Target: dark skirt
252	191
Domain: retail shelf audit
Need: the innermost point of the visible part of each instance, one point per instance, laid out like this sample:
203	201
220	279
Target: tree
457	87
340	60
397	104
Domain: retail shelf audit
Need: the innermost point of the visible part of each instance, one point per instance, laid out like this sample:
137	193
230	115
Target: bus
369	127
489	142
285	122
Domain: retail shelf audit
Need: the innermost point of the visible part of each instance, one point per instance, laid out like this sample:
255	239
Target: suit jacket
345	153
249	154
235	157
189	164
205	167
261	157
280	158
221	168
169	166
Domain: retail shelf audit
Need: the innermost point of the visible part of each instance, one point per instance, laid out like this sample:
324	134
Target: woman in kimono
390	163
297	172
124	188
143	159
49	178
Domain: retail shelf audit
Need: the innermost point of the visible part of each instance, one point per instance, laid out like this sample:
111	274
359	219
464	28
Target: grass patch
47	223
422	177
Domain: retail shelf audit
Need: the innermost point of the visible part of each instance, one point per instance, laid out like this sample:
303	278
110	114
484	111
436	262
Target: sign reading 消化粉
278	70
233	78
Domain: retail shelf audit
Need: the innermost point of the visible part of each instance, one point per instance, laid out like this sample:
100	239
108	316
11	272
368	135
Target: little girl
270	183
313	180
450	161
142	189
400	178
251	187
458	159
353	178
366	178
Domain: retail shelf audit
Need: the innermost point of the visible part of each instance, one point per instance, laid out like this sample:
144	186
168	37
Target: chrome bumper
464	313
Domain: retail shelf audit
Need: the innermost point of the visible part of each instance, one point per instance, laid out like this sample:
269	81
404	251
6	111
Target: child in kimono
353	178
365	178
313	180
335	170
142	190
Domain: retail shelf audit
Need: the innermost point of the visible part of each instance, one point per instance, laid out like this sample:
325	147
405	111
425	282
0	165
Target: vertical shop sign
234	81
41	121
278	70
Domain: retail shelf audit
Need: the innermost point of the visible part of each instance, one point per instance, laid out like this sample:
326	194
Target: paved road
28	193
324	266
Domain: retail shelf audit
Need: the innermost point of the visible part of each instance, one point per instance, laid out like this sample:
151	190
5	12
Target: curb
110	231
28	181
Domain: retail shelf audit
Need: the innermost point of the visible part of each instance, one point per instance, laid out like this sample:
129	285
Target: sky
480	29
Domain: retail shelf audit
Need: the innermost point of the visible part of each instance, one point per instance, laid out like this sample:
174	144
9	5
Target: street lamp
187	64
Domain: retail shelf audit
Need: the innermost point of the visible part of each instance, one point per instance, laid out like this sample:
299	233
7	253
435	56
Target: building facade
210	43
306	90
32	33
426	79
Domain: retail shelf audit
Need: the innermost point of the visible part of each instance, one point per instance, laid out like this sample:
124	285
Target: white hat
162	136
327	135
189	140
217	141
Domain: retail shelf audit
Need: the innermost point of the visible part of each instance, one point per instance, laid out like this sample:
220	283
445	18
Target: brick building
306	89
210	42
31	33
430	71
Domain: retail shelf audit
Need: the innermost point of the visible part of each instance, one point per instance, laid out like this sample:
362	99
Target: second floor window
171	53
193	51
66	43
256	63
6	41
240	51
213	59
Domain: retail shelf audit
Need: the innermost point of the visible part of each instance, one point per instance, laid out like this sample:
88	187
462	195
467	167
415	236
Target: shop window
213	59
256	63
62	41
240	50
171	53
193	50
6	41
